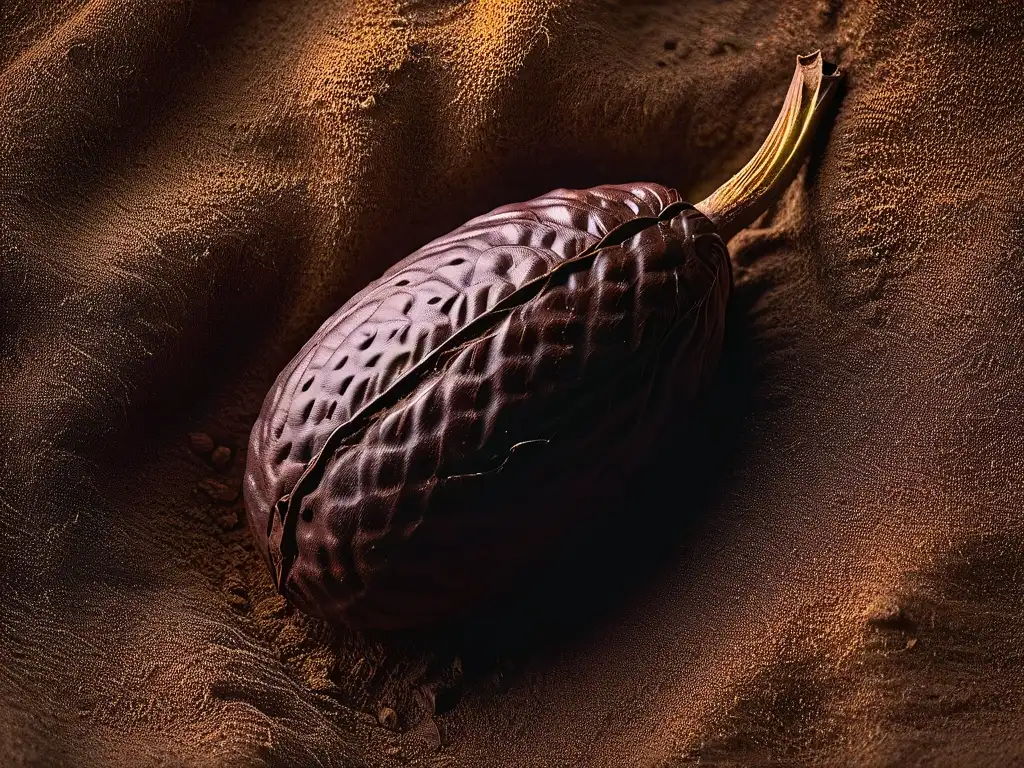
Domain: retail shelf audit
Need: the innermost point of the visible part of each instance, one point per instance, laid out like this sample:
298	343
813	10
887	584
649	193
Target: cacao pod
463	414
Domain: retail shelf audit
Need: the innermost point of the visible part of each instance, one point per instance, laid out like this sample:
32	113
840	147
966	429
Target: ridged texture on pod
458	417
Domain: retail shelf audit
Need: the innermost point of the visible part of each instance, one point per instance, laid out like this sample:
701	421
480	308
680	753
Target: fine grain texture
826	570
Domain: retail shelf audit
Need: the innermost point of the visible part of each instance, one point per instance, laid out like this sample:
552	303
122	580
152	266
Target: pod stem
737	203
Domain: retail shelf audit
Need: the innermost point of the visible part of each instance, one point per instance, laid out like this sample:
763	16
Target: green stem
737	203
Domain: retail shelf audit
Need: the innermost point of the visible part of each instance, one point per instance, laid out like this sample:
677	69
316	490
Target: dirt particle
911	643
218	491
200	443
388	718
720	47
228	520
221	457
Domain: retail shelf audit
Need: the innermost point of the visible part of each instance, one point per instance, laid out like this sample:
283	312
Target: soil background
828	567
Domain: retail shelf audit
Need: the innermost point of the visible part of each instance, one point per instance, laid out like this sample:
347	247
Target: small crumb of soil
200	443
221	456
218	491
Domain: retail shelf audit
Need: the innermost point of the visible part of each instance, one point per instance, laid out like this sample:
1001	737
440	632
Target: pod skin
459	417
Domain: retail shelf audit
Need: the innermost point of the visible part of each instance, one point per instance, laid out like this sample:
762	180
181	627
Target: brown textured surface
188	189
460	419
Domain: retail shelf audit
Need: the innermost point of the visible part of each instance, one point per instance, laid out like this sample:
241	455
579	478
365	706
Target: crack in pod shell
460	416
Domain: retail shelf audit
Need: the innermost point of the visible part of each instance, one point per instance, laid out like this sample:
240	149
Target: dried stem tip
738	202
